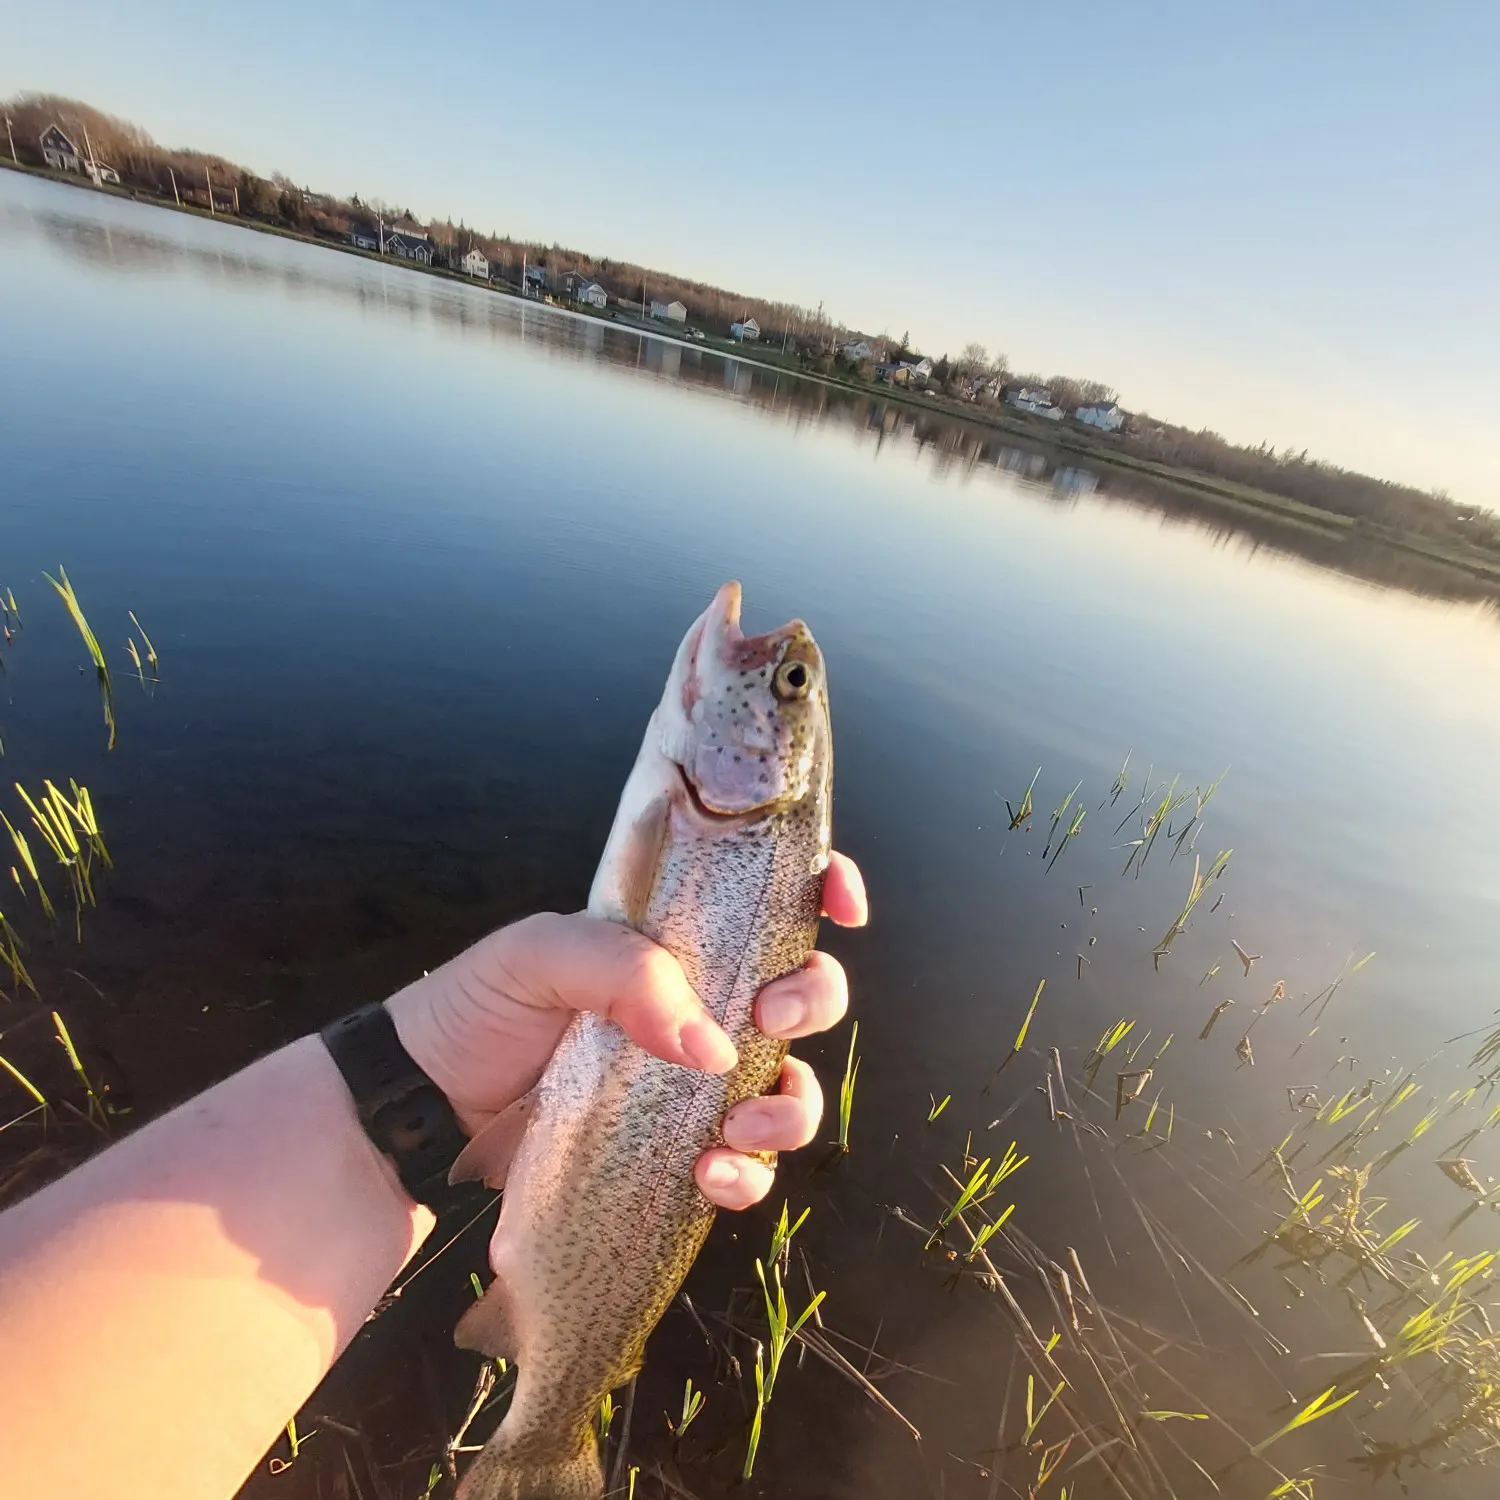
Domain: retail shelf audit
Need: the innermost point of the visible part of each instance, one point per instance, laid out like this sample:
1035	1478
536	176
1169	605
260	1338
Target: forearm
166	1308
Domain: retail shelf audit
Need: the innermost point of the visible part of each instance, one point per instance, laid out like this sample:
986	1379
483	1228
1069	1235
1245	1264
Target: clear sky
1280	220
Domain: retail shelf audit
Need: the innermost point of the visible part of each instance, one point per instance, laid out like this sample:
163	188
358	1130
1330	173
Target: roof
1099	406
57	130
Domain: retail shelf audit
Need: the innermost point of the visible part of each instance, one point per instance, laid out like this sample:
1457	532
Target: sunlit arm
168	1306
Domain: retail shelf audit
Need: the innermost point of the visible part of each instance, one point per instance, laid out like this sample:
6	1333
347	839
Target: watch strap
401	1109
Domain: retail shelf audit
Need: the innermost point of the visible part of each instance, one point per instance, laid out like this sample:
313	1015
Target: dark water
416	559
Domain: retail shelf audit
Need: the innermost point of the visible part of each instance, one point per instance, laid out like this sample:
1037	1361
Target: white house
475	263
583	288
669	312
1105	415
857	352
59	152
1034	398
407	246
745	333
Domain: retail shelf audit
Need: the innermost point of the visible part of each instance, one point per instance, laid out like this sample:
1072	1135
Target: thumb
579	962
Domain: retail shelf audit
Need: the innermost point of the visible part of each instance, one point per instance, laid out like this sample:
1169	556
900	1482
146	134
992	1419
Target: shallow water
416	558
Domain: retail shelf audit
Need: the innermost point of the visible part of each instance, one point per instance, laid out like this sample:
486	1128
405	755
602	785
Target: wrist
401	1109
430	1033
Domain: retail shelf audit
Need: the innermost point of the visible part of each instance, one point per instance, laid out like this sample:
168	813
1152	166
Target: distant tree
905	343
1091	391
289	206
257	200
974	360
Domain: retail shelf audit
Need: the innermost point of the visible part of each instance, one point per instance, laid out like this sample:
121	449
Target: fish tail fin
527	1470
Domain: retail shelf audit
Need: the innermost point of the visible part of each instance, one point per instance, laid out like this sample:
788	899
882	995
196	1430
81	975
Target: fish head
745	717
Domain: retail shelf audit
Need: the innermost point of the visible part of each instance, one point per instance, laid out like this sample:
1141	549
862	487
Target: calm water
416	559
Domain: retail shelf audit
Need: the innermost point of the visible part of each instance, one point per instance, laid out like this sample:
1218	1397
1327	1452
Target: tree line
204	179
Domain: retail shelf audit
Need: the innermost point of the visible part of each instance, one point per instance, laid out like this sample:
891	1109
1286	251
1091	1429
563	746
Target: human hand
484	1026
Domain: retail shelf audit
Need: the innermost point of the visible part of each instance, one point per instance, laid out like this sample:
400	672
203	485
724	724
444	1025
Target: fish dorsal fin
624	889
489	1154
489	1326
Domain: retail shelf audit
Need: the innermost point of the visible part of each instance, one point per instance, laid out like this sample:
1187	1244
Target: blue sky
1278	220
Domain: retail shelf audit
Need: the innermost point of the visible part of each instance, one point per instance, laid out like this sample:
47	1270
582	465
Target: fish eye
793	680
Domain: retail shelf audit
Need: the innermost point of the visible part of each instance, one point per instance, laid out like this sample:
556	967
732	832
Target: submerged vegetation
59	852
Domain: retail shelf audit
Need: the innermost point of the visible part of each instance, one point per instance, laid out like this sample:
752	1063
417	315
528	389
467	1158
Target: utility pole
175	194
9	137
236	200
88	146
209	180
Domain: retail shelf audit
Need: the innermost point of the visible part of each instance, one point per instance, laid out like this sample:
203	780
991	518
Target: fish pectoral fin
489	1327
489	1154
623	885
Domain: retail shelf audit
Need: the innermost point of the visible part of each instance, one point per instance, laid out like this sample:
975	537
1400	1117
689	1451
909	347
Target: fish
717	852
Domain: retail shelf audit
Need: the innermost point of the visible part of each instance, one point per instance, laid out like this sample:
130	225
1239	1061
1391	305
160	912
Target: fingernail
720	1173
706	1047
782	1011
753	1125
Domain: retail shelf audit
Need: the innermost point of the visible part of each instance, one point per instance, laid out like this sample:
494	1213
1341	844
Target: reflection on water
950	444
416	556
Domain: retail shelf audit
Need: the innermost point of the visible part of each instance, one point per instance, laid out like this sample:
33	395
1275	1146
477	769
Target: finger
784	1121
580	962
730	1180
844	899
813	998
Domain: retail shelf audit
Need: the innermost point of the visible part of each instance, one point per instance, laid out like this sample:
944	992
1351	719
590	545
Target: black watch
402	1110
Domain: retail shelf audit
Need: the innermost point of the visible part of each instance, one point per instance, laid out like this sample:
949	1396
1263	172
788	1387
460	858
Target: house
1031	398
1105	415
583	288
407	246
363	237
475	263
536	276
745	333
59	152
670	312
858	352
905	370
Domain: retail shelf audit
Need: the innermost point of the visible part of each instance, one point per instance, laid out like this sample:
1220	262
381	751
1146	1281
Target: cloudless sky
1279	220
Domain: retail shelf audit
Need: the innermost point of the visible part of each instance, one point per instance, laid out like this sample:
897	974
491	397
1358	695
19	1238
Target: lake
416	556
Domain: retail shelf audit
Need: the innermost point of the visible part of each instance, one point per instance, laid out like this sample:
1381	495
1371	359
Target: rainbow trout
717	853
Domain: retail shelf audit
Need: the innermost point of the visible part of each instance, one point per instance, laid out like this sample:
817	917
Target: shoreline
1222	494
